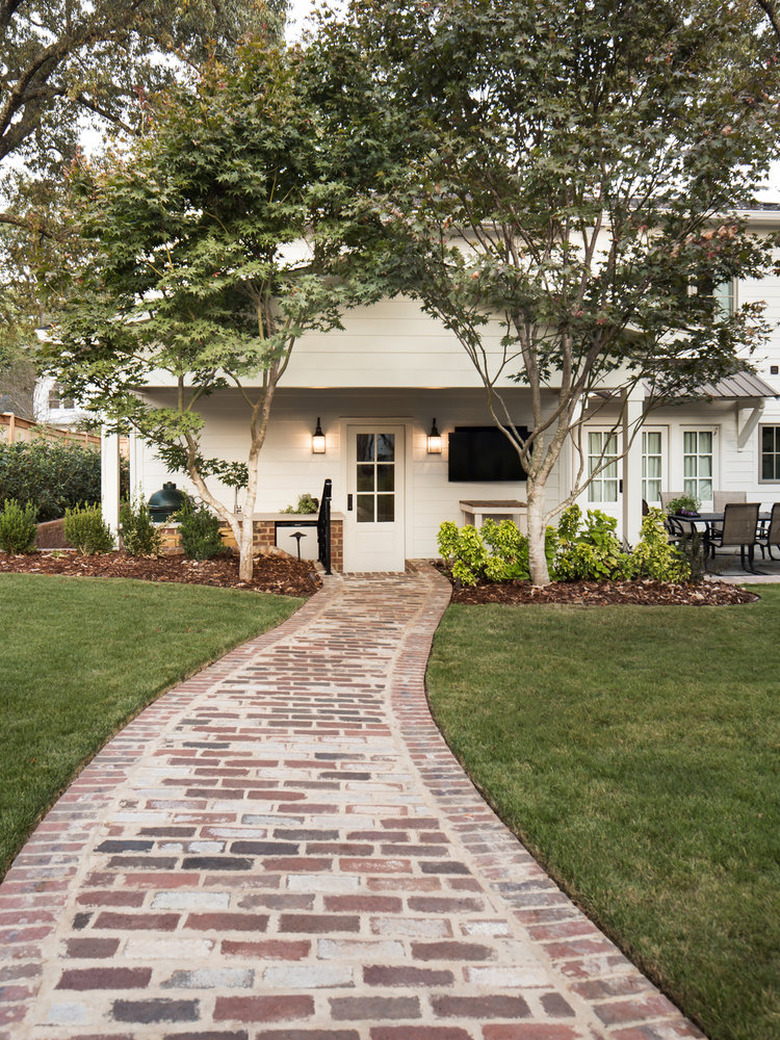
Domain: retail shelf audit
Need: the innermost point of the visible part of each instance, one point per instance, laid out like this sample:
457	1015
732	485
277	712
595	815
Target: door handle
349	503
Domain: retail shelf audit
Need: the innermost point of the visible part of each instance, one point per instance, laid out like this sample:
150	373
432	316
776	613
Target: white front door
374	536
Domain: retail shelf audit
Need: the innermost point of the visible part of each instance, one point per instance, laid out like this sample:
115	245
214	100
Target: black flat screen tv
482	454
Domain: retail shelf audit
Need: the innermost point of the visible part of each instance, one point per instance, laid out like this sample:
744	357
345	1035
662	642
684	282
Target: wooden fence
14	428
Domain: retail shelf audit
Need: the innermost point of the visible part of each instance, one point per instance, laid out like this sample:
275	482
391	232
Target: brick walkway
282	848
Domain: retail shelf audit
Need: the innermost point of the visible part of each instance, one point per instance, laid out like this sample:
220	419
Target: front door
374	529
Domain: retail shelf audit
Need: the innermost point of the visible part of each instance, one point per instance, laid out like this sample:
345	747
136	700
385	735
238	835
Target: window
603	450
652	466
770	453
698	464
56	400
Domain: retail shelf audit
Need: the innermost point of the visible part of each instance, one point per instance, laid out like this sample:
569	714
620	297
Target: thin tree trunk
246	548
537	560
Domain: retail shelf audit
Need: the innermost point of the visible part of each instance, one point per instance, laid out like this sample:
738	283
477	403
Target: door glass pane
385	478
689	443
365	478
705	443
365	447
385	508
385	447
365	509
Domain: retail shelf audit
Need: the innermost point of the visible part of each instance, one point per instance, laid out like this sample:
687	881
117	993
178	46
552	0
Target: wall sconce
318	440
434	440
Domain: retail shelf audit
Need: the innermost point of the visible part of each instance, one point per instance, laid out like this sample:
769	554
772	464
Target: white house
378	387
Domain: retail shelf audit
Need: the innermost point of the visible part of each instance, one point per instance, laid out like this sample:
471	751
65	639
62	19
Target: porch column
632	466
109	479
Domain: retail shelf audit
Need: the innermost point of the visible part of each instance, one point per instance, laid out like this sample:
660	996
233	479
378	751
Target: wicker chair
740	523
769	534
720	499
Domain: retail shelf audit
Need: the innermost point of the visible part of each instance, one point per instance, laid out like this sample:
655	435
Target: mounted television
482	454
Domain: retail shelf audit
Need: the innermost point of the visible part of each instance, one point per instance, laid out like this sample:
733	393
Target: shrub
53	476
497	552
654	556
589	550
17	527
86	531
199	531
140	536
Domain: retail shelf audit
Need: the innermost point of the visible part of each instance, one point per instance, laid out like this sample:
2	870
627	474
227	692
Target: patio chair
739	527
720	499
769	533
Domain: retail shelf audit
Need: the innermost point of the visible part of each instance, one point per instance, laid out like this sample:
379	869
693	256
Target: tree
194	273
575	175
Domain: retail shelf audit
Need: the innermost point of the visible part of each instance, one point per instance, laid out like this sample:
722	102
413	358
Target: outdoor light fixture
318	440
434	440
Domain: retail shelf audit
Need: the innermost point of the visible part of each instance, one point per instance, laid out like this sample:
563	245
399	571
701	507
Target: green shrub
497	552
17	527
464	550
140	535
589	550
198	531
655	556
85	530
54	477
306	504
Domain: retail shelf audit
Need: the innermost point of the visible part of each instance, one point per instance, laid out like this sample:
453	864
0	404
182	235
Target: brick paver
283	848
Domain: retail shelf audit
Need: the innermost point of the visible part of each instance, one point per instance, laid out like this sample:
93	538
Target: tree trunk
537	560
246	549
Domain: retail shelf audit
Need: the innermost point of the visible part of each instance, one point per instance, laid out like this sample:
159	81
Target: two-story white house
378	390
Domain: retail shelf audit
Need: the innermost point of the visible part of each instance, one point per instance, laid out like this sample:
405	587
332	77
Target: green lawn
635	752
79	657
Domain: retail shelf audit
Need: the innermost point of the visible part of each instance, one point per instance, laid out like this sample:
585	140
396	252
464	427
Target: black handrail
323	526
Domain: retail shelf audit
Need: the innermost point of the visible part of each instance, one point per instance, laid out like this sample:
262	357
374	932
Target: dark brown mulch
280	574
605	593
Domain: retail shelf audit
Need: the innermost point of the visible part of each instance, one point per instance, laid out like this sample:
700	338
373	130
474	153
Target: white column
109	476
632	466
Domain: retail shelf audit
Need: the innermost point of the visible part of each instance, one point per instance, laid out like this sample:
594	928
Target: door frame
407	512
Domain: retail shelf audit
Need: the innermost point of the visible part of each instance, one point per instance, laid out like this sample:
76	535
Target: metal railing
323	526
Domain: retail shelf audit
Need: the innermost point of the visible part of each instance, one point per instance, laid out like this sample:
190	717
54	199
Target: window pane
610	491
705	490
768	438
689	488
365	509
653	443
385	447
385	507
594	491
689	443
705	466
705	443
653	467
689	464
365	478
365	447
768	464
385	478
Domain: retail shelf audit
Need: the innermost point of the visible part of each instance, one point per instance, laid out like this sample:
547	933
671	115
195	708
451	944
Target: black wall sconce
318	440
434	440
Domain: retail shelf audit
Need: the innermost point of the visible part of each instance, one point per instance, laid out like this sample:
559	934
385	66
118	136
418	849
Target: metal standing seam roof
741	384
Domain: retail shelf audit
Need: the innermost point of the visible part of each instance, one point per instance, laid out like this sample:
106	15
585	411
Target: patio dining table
705	523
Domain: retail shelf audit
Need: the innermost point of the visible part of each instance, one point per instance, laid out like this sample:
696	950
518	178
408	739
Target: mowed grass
635	752
79	657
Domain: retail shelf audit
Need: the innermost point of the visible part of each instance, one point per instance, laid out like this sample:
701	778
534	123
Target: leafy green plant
86	530
464	550
589	549
52	476
654	555
17	527
198	531
683	504
508	559
306	504
140	535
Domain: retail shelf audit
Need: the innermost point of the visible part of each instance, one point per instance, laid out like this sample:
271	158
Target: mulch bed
280	574
284	575
605	593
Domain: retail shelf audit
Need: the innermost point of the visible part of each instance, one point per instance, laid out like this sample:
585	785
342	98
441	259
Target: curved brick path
282	848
